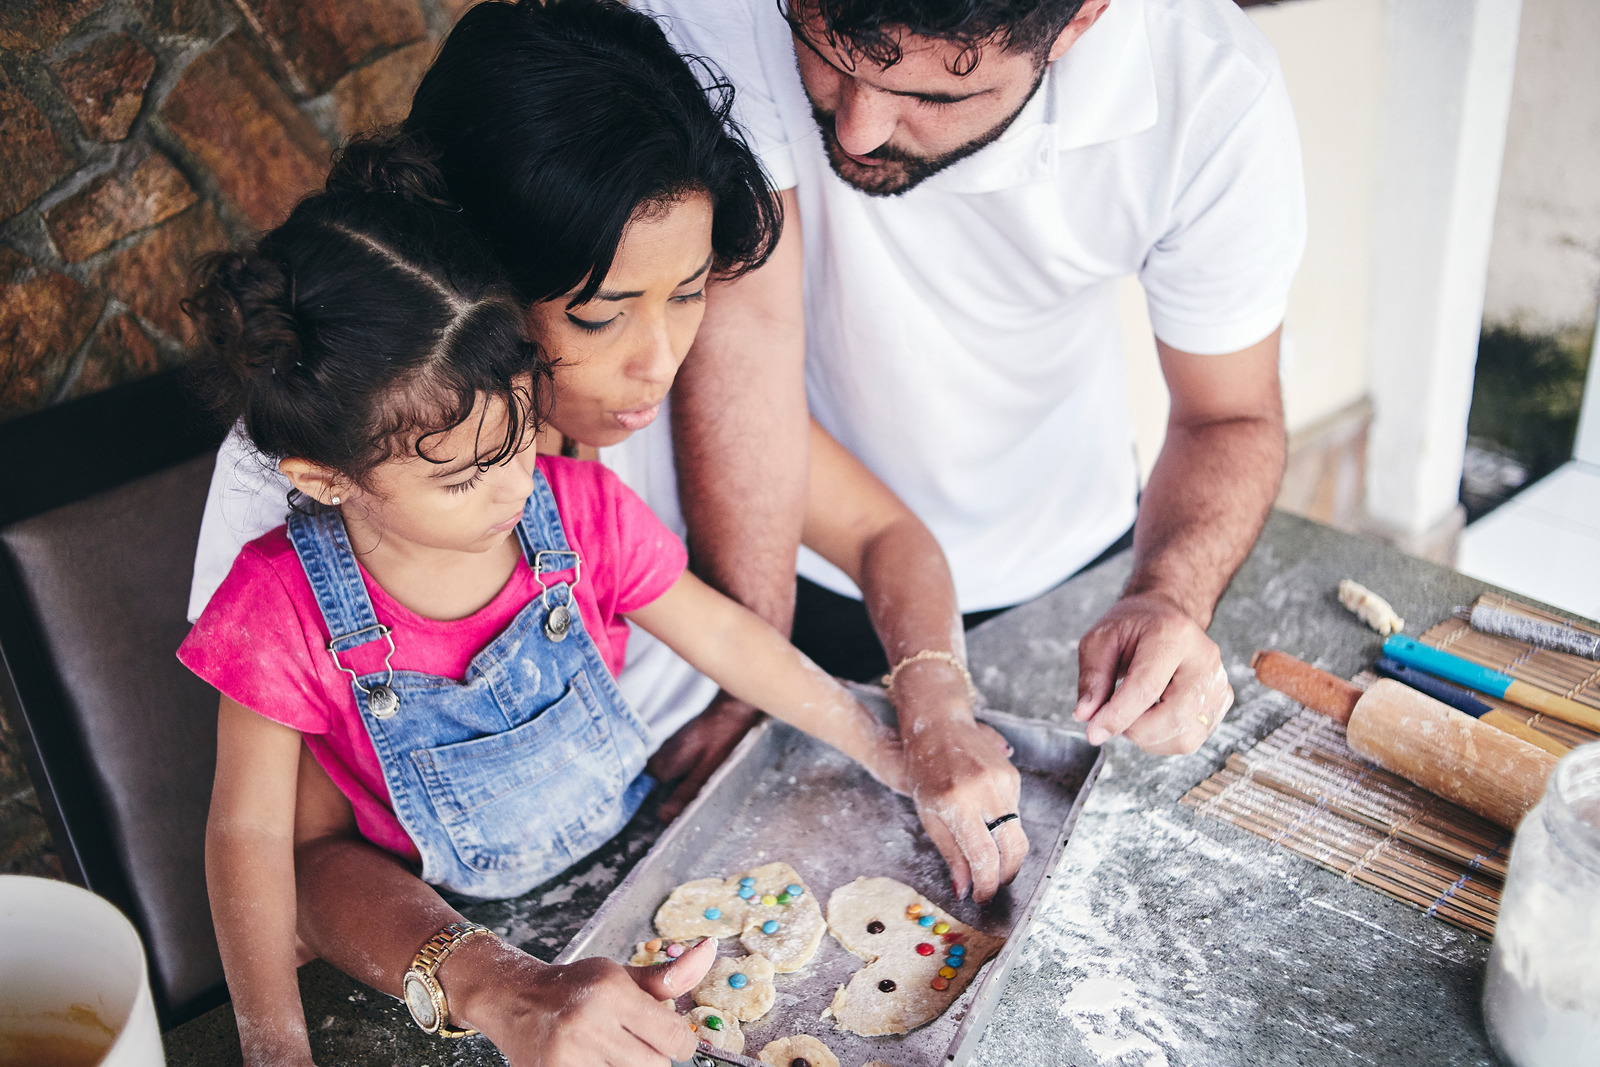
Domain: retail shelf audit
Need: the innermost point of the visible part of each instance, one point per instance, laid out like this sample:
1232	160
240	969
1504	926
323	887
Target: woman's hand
586	1014
961	779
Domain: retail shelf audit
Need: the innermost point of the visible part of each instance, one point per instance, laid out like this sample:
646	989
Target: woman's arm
959	769
250	879
367	913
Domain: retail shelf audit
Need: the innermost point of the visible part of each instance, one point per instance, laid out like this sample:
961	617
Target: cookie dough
914	970
659	950
801	1050
713	907
746	999
725	1034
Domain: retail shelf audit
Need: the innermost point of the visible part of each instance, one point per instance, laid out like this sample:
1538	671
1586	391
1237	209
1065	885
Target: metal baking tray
784	796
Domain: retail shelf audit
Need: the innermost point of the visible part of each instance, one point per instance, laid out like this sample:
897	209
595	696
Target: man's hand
698	749
1174	690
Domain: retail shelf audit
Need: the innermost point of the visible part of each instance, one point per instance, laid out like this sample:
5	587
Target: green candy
713	1022
784	898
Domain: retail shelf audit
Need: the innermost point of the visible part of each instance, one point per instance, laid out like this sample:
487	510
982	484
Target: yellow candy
941	928
769	900
947	972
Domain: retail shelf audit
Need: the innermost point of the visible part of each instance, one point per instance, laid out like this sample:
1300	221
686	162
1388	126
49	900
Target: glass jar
1542	998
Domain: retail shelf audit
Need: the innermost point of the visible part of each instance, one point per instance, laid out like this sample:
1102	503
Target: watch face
419	1000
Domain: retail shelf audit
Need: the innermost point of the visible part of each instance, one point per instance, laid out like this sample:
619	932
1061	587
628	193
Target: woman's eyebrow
628	294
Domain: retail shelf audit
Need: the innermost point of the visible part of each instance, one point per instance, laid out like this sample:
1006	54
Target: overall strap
323	546
544	542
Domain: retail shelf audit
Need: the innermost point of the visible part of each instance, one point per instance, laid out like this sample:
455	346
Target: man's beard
898	170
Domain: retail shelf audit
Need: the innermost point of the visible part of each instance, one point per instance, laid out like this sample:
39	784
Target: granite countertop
1165	939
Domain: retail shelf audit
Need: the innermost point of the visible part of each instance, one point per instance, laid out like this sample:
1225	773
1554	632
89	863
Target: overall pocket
523	800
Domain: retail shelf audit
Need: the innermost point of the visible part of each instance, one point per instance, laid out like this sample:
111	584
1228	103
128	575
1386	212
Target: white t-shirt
248	497
962	338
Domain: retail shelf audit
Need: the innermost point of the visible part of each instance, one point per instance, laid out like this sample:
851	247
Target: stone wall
136	134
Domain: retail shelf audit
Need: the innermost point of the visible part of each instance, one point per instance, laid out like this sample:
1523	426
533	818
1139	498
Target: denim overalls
509	776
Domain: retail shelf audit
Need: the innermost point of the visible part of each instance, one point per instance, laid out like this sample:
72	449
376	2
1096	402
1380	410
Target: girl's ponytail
242	305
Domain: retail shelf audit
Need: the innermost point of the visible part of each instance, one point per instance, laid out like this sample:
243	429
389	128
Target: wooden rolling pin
1413	735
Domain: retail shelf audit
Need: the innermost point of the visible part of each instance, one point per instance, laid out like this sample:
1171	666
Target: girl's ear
317	482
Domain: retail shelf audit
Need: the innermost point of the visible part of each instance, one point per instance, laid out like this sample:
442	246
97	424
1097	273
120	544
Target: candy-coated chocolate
747	881
799	1061
947	972
941	983
874	927
941	928
769	900
713	913
737	980
913	910
653	945
795	890
784	898
924	949
745	893
887	985
713	1022
957	950
674	951
954	961
770	926
926	920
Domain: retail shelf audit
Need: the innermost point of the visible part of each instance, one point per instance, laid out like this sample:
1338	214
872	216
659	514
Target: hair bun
390	162
242	304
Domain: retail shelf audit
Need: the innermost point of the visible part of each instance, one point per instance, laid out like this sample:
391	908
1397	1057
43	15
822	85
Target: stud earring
334	501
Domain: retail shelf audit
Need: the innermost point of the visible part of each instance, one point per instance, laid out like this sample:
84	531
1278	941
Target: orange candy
913	910
653	945
941	983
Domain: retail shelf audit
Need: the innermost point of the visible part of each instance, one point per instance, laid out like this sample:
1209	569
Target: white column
1448	94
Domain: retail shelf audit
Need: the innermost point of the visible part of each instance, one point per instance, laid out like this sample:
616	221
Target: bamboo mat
1558	672
1303	787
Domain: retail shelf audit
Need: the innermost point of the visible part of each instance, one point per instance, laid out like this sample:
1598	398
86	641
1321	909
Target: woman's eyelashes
597	325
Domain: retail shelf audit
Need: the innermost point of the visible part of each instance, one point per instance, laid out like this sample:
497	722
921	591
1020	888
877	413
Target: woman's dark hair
374	318
556	122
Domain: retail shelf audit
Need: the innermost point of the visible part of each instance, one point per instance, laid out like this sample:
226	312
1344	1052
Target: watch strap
433	953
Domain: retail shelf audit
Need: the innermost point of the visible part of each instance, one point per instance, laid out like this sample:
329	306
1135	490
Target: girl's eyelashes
462	487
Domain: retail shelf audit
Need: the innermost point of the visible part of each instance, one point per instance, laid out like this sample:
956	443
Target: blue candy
770	926
954	961
747	881
713	913
958	950
795	890
745	892
926	920
738	981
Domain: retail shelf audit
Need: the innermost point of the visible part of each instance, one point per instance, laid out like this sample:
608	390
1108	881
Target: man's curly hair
873	28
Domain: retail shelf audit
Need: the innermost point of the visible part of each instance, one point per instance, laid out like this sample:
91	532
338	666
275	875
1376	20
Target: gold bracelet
930	654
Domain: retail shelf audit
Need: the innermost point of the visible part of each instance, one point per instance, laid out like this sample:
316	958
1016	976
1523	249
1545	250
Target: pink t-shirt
262	641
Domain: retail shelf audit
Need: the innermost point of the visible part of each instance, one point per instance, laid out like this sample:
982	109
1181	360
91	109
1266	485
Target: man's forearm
1205	505
740	434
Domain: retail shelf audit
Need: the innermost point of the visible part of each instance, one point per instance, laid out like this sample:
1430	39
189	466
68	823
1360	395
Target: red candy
924	949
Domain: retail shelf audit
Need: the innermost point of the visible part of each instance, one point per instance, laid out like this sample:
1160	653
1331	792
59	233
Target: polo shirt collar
1103	89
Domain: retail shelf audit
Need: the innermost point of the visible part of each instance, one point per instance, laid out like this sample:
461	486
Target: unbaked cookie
801	1050
741	987
717	1030
760	906
919	958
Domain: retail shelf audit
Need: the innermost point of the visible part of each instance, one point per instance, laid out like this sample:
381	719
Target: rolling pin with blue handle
1446	752
1464	701
1453	668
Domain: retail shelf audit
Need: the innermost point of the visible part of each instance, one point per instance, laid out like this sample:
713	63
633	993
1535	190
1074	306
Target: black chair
100	505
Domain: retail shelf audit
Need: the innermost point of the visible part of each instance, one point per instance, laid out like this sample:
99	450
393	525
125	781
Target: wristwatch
423	994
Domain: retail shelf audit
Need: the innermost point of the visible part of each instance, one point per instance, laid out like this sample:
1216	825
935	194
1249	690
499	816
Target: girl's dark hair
374	318
558	121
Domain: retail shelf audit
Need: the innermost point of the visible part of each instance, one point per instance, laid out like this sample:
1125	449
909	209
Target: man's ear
315	481
1087	16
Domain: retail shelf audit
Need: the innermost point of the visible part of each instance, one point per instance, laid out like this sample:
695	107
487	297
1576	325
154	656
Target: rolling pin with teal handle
1453	668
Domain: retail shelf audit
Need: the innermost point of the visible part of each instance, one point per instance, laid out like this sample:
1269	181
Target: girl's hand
585	1014
962	778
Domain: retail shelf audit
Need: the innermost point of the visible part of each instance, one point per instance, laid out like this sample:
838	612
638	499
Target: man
965	185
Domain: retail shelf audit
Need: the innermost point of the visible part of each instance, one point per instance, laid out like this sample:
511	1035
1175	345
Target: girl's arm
250	879
367	913
959	769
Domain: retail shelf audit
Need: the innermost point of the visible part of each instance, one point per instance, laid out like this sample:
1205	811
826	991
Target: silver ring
1002	820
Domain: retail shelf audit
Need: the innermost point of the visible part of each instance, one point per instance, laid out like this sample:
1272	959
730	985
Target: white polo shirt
962	338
